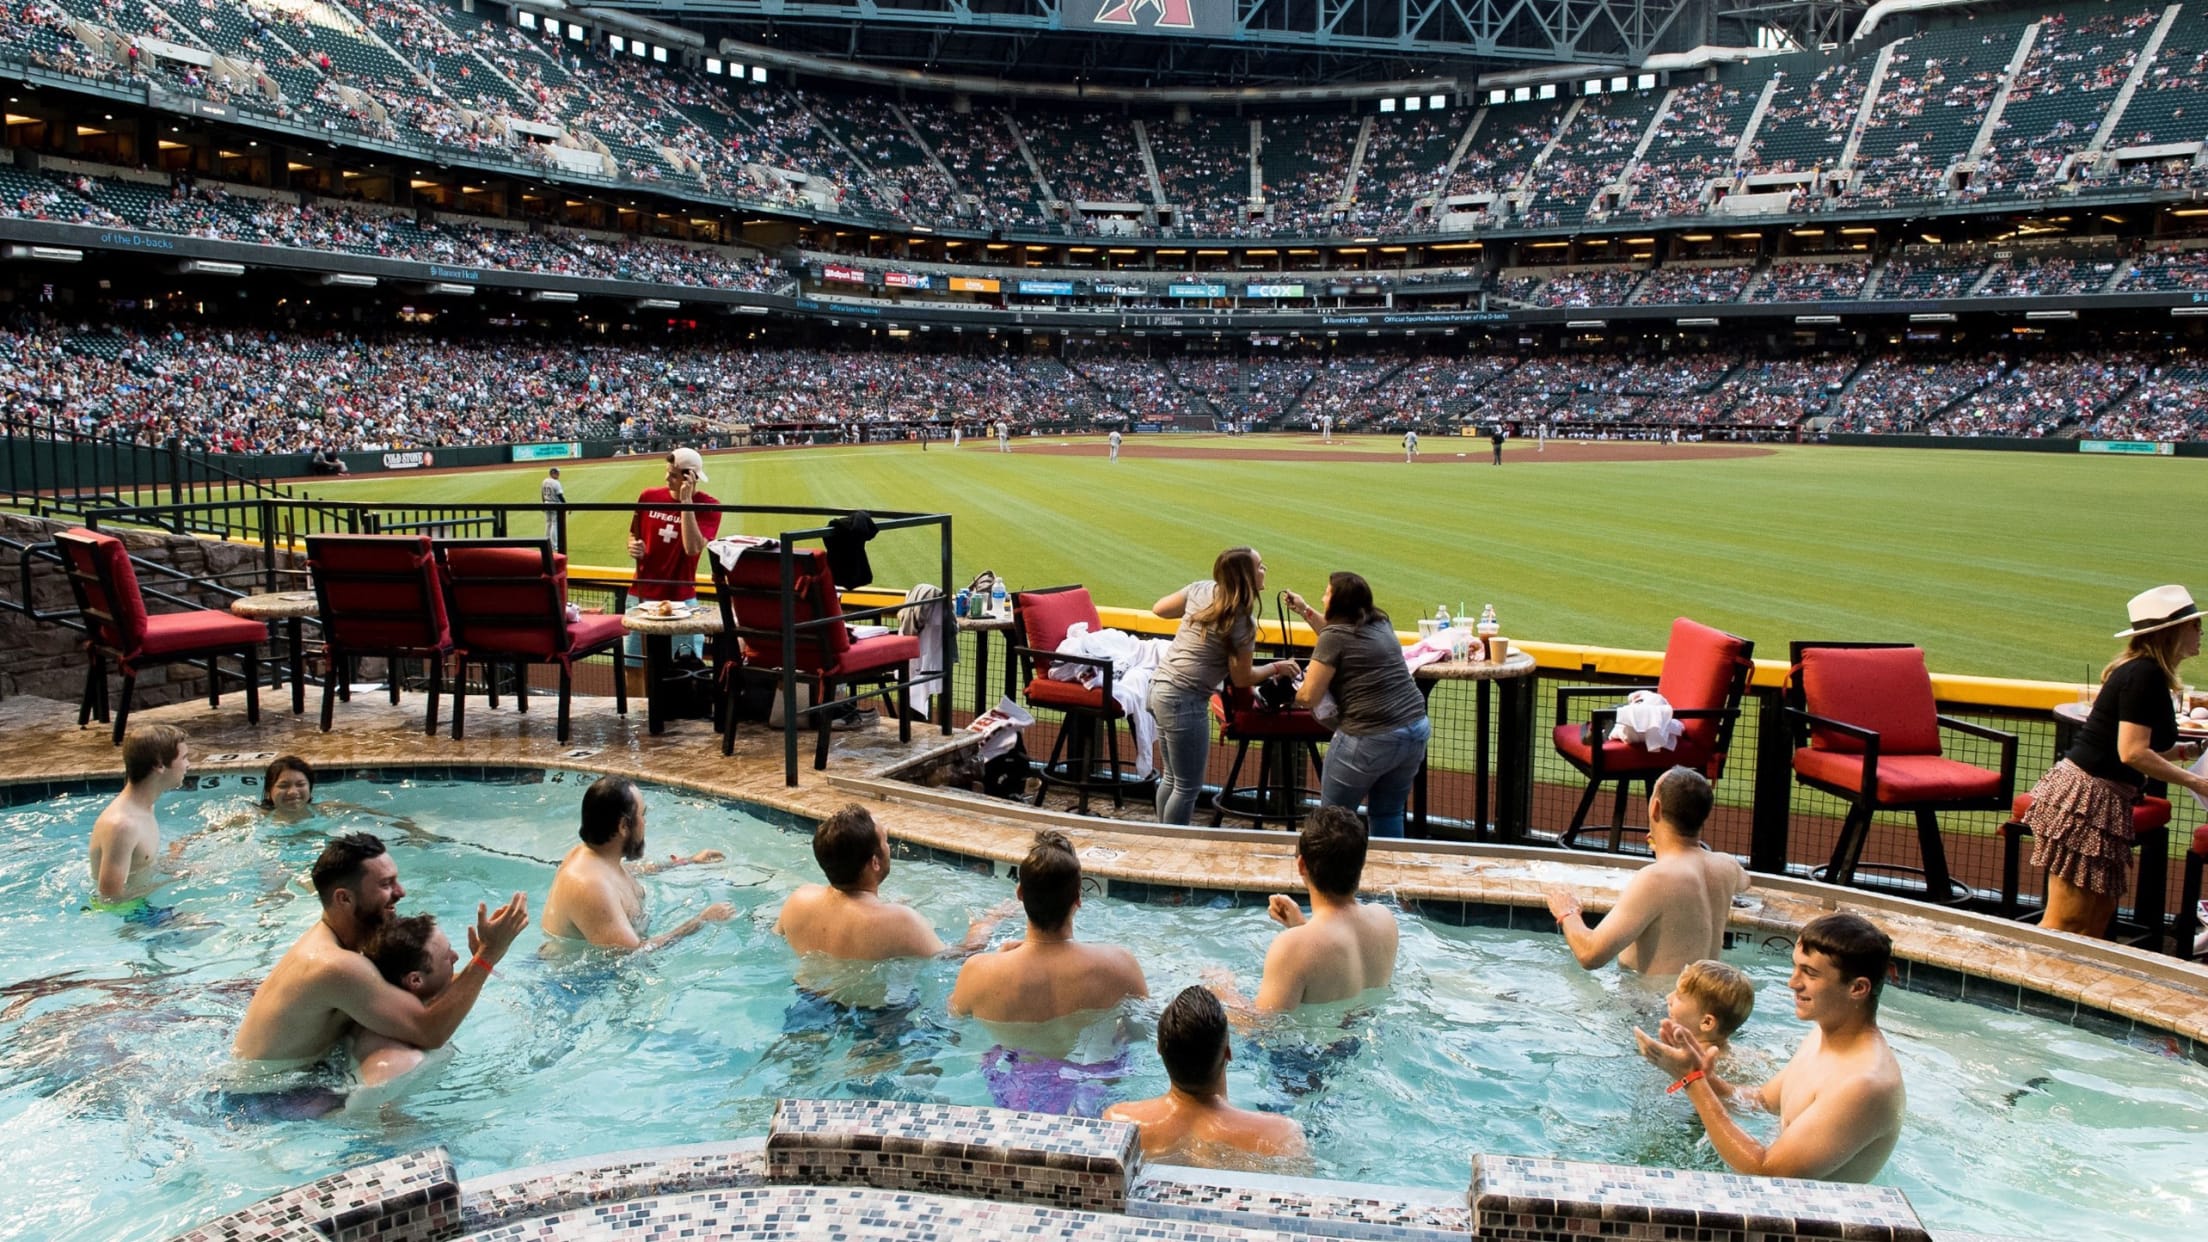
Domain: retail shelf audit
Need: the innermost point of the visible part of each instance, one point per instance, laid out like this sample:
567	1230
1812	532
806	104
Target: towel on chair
1134	662
1645	718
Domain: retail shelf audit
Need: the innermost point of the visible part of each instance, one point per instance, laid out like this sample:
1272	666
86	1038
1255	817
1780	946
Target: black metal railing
50	469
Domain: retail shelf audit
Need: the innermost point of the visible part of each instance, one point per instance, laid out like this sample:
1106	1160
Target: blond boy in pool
155	761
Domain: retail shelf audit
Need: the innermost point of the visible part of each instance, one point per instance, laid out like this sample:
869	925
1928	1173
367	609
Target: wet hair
1234	587
1722	991
400	947
1350	601
1686	798
276	769
607	804
844	843
1192	1039
1332	847
1050	880
342	861
1855	945
149	748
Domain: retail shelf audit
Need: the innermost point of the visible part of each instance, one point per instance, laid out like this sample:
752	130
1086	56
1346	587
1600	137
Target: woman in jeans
1382	735
1216	638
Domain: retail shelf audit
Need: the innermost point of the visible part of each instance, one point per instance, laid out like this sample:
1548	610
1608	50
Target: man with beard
323	987
595	896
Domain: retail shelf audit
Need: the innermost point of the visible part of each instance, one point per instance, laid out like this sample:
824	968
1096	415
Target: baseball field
1999	564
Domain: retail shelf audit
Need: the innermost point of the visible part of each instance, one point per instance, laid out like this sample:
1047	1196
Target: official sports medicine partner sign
1211	18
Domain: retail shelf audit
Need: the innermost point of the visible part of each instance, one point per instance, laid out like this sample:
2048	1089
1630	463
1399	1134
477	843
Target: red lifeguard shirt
661	531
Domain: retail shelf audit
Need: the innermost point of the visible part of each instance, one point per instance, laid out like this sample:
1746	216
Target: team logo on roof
1166	14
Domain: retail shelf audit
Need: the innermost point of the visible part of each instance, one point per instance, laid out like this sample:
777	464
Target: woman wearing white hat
2081	810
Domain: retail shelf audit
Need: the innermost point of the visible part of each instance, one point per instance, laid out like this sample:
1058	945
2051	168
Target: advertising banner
547	452
848	275
1208	18
908	280
1272	291
1052	288
2140	447
1196	291
973	284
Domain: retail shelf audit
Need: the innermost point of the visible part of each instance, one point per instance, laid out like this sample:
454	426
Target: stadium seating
1086	157
1811	113
1695	142
1930	106
1590	156
1405	158
1306	164
2171	104
2078	63
1510	137
1204	168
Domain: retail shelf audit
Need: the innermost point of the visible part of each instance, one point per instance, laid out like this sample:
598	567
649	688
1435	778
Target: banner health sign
1209	18
972	284
1055	288
547	452
1196	291
1272	291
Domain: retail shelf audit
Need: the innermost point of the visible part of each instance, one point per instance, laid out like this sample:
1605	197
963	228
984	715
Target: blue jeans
1184	749
1375	768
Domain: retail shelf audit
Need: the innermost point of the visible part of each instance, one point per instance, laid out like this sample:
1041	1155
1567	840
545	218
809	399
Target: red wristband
1692	1076
479	963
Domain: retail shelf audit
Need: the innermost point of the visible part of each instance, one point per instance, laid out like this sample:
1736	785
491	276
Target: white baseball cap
688	459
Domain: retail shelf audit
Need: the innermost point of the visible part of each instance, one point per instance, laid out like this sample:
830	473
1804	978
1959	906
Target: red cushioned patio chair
1283	738
379	597
1867	729
1705	674
508	602
1087	734
824	656
2188	900
121	630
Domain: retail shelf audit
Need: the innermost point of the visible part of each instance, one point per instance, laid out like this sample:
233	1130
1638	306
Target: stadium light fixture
349	280
1547	91
1435	103
759	73
713	65
1587	325
553	295
450	289
49	254
1858	230
1498	95
2188	312
2191	211
2051	314
1592	86
1411	103
1387	105
1698	323
1523	93
1698	237
1932	317
1810	320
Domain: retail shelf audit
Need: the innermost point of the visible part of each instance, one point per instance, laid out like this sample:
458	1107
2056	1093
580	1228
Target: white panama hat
2159	609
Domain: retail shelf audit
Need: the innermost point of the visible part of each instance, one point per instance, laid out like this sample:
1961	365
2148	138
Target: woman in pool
1215	642
287	787
2081	810
1383	731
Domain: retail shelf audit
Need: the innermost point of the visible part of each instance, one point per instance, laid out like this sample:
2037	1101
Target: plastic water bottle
1000	604
1488	627
1441	616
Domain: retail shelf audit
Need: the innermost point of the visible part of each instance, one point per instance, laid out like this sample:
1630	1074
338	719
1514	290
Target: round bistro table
291	608
659	633
1514	792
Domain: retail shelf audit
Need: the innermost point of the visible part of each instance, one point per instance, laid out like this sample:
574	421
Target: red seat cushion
379	593
1884	689
594	631
200	630
1261	725
1619	758
2147	814
1901	778
1046	616
113	588
873	655
1699	666
1043	692
2200	840
752	589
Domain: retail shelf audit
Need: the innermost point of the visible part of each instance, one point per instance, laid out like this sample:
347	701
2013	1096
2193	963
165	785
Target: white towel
1645	718
1134	663
927	625
729	547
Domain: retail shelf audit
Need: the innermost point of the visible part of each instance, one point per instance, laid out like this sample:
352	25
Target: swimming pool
1491	1041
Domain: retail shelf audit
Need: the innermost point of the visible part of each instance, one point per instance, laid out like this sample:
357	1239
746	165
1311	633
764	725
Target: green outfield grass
2000	564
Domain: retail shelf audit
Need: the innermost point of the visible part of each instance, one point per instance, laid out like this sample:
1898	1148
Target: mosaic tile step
984	1152
617	1178
848	1214
1529	1199
1317	1209
410	1198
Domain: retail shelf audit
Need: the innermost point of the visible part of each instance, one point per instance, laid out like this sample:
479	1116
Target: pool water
114	1035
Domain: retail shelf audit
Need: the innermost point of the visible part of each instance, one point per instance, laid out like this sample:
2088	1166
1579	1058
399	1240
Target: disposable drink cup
1498	649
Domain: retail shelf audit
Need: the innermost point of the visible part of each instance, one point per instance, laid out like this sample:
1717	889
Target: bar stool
2188	901
2150	822
1283	739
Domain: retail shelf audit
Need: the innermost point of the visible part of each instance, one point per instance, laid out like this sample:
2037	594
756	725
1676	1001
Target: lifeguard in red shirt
665	543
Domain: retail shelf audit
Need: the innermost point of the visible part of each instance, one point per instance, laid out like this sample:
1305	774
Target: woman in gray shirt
1382	736
1215	641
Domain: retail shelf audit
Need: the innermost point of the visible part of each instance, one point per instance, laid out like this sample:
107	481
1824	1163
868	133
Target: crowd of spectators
1825	281
1143	390
1306	166
1693	145
1606	286
2170	403
1930	275
1204	168
1927	112
2167	269
1691	286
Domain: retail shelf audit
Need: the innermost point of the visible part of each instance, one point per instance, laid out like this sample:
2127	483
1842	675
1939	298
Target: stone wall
46	659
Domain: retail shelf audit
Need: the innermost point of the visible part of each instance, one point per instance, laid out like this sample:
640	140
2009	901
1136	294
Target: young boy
1711	1000
156	758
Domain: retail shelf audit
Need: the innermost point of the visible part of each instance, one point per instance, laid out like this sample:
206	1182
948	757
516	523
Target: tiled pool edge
1016	1167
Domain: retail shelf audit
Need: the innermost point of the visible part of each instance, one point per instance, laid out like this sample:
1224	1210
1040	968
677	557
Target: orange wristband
1692	1076
480	964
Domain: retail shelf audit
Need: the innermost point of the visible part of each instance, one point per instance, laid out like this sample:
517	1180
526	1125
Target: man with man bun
1672	911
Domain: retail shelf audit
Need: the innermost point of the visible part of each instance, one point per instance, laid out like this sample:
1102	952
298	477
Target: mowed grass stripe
2003	564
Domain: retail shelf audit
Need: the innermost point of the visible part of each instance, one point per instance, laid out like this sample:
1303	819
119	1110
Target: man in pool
1840	1100
1346	946
411	954
155	761
846	918
1055	991
323	987
595	896
1192	1122
1672	911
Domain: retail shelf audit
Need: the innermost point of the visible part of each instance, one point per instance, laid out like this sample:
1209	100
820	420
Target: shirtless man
1673	910
410	953
1346	946
846	918
323	987
155	759
1047	975
1840	1100
1193	1120
595	896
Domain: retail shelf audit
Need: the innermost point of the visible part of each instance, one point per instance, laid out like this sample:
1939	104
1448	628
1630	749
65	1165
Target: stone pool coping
2111	989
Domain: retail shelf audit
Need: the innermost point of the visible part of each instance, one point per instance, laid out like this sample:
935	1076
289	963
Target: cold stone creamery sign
1212	18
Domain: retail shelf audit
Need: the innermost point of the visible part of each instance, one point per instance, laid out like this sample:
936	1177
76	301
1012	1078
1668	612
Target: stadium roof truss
1022	36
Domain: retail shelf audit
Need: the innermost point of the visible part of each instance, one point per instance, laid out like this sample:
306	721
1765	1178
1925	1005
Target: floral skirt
2081	829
